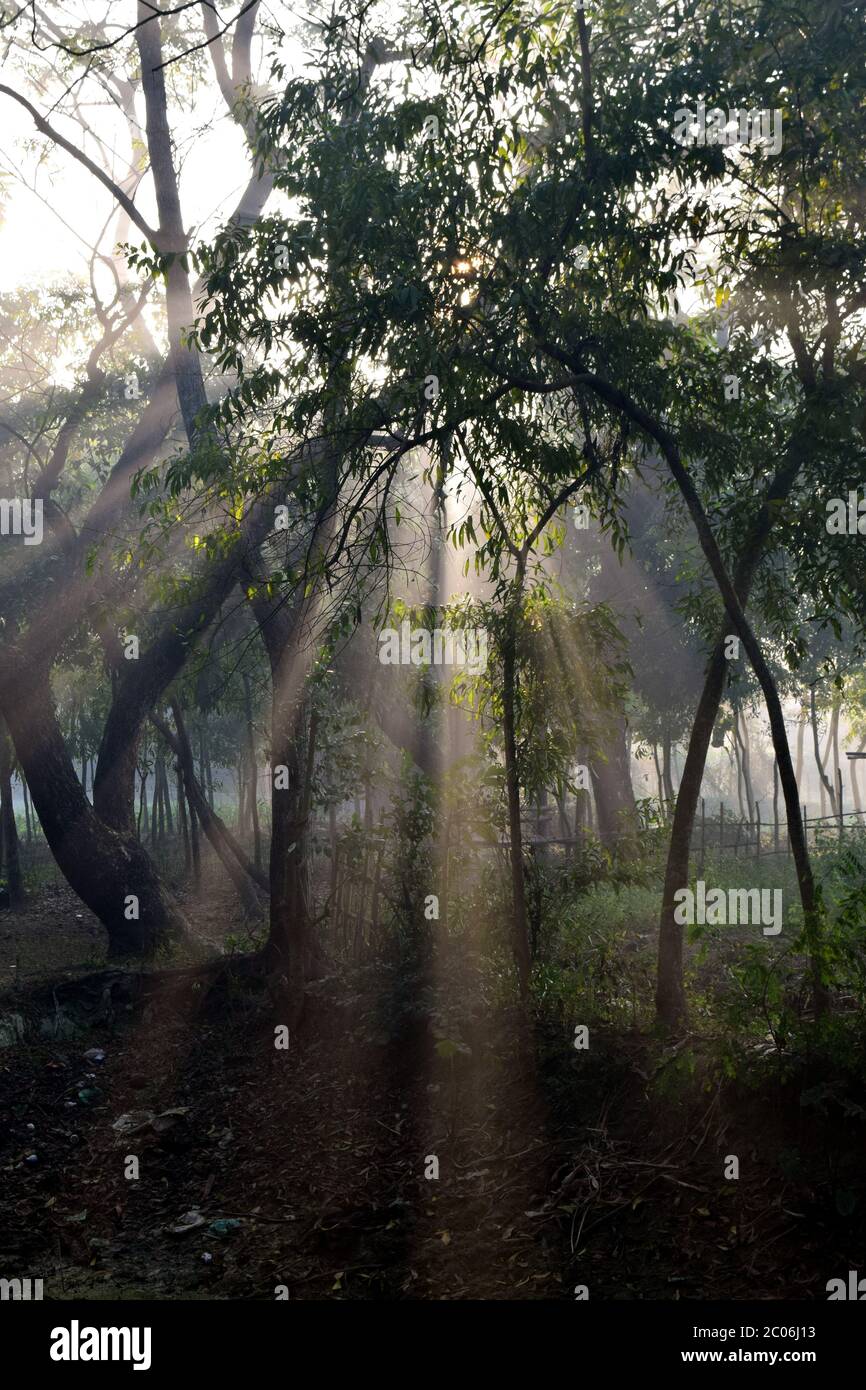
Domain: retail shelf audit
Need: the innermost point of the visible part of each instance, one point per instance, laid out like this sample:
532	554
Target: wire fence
724	833
763	837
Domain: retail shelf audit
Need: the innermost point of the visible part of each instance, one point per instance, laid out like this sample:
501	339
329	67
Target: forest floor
556	1168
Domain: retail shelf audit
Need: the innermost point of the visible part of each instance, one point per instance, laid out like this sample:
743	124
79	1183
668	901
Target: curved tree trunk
111	872
819	761
670	995
809	895
748	785
671	998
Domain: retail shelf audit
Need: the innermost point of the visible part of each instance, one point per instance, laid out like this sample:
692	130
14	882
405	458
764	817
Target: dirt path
326	1154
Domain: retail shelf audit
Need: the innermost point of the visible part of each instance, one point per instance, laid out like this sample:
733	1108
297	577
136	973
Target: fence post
840	794
721	828
757	830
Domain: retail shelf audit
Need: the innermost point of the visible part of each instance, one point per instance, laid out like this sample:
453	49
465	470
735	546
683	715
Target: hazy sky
53	209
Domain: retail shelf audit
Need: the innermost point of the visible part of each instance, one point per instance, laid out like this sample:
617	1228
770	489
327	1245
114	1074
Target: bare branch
45	128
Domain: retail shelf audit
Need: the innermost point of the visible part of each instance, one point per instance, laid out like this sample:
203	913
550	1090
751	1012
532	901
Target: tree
535	257
94	846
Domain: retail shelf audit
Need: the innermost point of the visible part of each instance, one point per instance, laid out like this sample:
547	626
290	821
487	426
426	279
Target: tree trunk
142	802
664	808
855	777
163	658
670	995
195	840
202	764
520	925
581	799
10	857
229	852
801	735
565	828
819	762
82	751
729	590
287	635
154	804
746	749
834	744
162	791
738	764
172	236
253	773
809	895
291	916
667	780
242	792
27	815
209	769
611	782
183	821
166	801
105	868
